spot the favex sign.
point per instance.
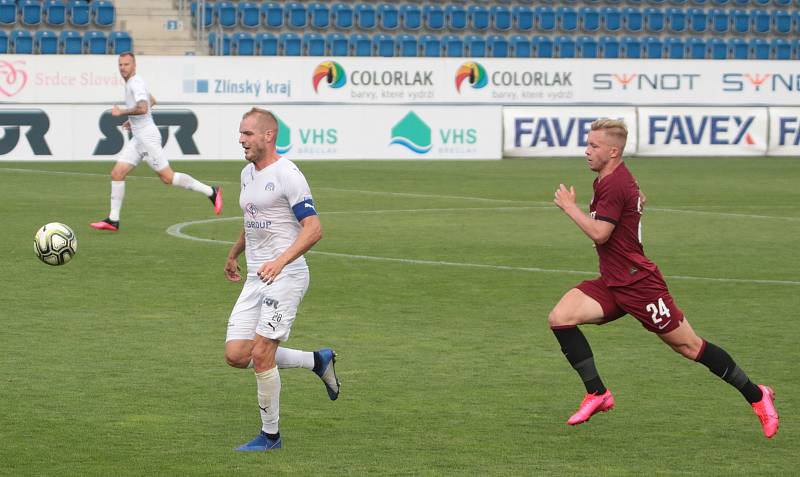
(784, 131)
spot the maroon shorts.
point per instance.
(648, 300)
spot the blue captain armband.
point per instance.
(304, 209)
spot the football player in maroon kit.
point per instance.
(629, 283)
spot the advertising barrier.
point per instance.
(784, 131)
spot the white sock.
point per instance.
(294, 358)
(117, 196)
(186, 181)
(269, 394)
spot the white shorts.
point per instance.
(145, 146)
(268, 310)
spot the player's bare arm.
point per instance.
(309, 235)
(597, 230)
(232, 270)
(140, 108)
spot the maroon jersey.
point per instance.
(616, 200)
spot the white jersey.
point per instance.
(135, 91)
(274, 201)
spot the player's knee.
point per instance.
(166, 179)
(117, 175)
(236, 360)
(558, 317)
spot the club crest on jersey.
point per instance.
(251, 209)
(270, 186)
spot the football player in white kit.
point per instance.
(144, 146)
(280, 225)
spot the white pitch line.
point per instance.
(176, 230)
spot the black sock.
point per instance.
(719, 362)
(579, 354)
(274, 437)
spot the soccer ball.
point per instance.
(55, 243)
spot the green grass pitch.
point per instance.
(433, 283)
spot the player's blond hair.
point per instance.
(265, 119)
(613, 127)
(128, 53)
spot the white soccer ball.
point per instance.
(55, 243)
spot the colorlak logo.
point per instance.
(12, 78)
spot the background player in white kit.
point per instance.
(280, 225)
(144, 146)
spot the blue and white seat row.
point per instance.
(56, 13)
(67, 42)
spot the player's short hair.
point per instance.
(265, 119)
(613, 127)
(128, 53)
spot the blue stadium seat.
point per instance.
(95, 42)
(795, 48)
(219, 44)
(452, 46)
(410, 16)
(46, 42)
(314, 44)
(8, 15)
(497, 46)
(272, 15)
(781, 22)
(738, 49)
(674, 48)
(589, 19)
(522, 17)
(342, 15)
(4, 41)
(30, 12)
(609, 47)
(119, 42)
(587, 47)
(430, 46)
(783, 3)
(266, 44)
(22, 42)
(781, 49)
(796, 21)
(478, 17)
(520, 46)
(676, 20)
(720, 20)
(501, 17)
(761, 2)
(406, 45)
(630, 47)
(653, 47)
(759, 49)
(740, 21)
(759, 21)
(338, 45)
(545, 18)
(565, 46)
(382, 45)
(612, 19)
(720, 2)
(632, 19)
(104, 14)
(388, 16)
(296, 15)
(360, 44)
(567, 19)
(248, 15)
(696, 48)
(70, 42)
(320, 16)
(78, 13)
(225, 12)
(290, 44)
(742, 3)
(243, 44)
(543, 46)
(654, 20)
(698, 20)
(456, 16)
(433, 15)
(717, 49)
(475, 46)
(366, 17)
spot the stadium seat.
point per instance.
(314, 44)
(543, 46)
(761, 2)
(30, 12)
(696, 48)
(4, 42)
(565, 46)
(291, 44)
(795, 48)
(740, 21)
(360, 44)
(272, 15)
(497, 46)
(781, 49)
(410, 16)
(717, 49)
(738, 49)
(243, 44)
(219, 44)
(95, 42)
(46, 42)
(366, 16)
(342, 16)
(654, 20)
(296, 15)
(781, 22)
(406, 45)
(78, 13)
(741, 2)
(698, 20)
(589, 19)
(609, 47)
(720, 20)
(22, 42)
(433, 16)
(676, 20)
(248, 15)
(104, 14)
(520, 47)
(266, 44)
(475, 46)
(119, 42)
(500, 17)
(478, 17)
(611, 18)
(545, 18)
(456, 16)
(225, 12)
(383, 45)
(630, 47)
(632, 19)
(70, 42)
(783, 3)
(8, 15)
(567, 19)
(338, 45)
(759, 49)
(430, 46)
(759, 21)
(587, 47)
(388, 16)
(522, 17)
(320, 16)
(653, 47)
(674, 48)
(452, 46)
